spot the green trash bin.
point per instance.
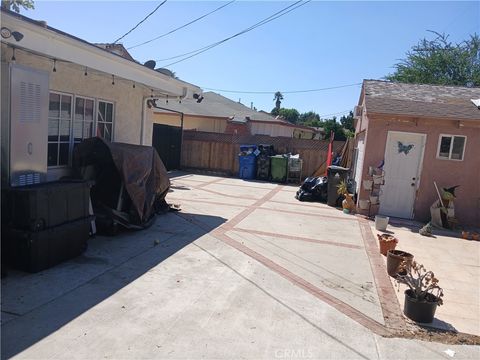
(278, 168)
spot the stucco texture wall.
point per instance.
(445, 173)
(69, 78)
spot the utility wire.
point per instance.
(260, 23)
(283, 92)
(181, 27)
(338, 113)
(237, 34)
(145, 18)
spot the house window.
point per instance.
(105, 120)
(83, 119)
(451, 147)
(59, 123)
(71, 119)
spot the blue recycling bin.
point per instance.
(247, 162)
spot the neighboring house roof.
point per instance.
(452, 102)
(118, 49)
(52, 43)
(216, 105)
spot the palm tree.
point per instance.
(278, 97)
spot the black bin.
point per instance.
(335, 175)
(42, 206)
(35, 251)
(263, 161)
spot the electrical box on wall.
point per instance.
(28, 125)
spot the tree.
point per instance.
(332, 125)
(278, 97)
(441, 62)
(291, 115)
(347, 121)
(16, 4)
(308, 118)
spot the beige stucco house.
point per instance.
(422, 134)
(58, 90)
(216, 113)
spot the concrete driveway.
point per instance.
(243, 271)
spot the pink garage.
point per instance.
(421, 134)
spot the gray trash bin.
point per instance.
(335, 174)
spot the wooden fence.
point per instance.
(219, 152)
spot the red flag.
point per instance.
(330, 151)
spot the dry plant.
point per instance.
(422, 283)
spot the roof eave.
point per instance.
(56, 44)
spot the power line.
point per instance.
(272, 17)
(224, 40)
(181, 27)
(260, 23)
(283, 92)
(338, 113)
(145, 18)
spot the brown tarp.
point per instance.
(116, 166)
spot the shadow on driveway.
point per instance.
(34, 306)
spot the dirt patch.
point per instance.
(414, 331)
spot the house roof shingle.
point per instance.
(453, 102)
(216, 105)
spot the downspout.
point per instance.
(144, 119)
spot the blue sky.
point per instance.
(319, 45)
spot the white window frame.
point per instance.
(96, 102)
(104, 122)
(451, 147)
(83, 121)
(72, 96)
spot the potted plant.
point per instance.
(347, 204)
(387, 242)
(395, 258)
(423, 294)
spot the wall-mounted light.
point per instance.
(166, 101)
(152, 103)
(133, 86)
(113, 79)
(198, 97)
(13, 59)
(85, 73)
(54, 65)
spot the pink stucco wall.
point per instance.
(446, 173)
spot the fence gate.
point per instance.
(167, 141)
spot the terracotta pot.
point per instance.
(420, 311)
(387, 242)
(394, 260)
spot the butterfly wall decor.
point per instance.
(404, 148)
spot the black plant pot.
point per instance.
(420, 311)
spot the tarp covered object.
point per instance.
(116, 166)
